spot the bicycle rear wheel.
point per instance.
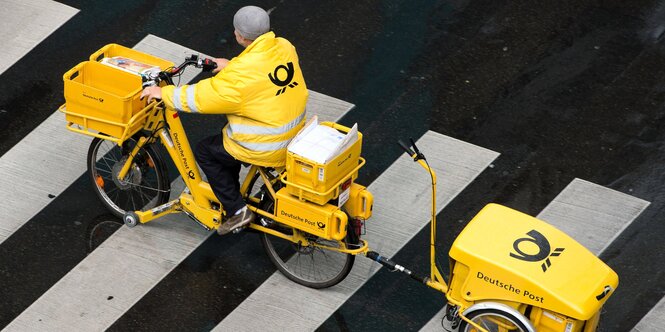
(308, 265)
(146, 185)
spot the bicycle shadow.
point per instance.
(99, 229)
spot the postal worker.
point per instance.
(263, 94)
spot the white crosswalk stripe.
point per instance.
(43, 170)
(36, 18)
(653, 321)
(591, 214)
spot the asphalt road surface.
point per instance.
(561, 90)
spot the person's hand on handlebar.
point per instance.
(221, 63)
(152, 92)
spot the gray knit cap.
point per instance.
(251, 22)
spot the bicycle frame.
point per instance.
(171, 134)
(196, 203)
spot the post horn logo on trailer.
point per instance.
(544, 249)
(282, 84)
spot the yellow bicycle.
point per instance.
(311, 215)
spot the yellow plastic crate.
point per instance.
(101, 98)
(319, 183)
(113, 50)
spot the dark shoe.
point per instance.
(241, 219)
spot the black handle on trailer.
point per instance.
(406, 148)
(416, 155)
(375, 256)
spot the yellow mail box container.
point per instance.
(103, 98)
(325, 221)
(319, 183)
(114, 50)
(99, 97)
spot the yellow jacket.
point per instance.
(263, 93)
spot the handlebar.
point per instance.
(153, 78)
(415, 153)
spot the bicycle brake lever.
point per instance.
(192, 57)
(207, 64)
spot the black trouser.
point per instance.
(223, 172)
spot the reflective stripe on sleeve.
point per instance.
(191, 102)
(260, 130)
(177, 103)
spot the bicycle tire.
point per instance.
(308, 266)
(311, 272)
(491, 320)
(148, 182)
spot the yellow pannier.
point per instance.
(325, 221)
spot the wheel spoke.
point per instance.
(493, 320)
(144, 197)
(311, 266)
(106, 163)
(104, 170)
(131, 197)
(112, 190)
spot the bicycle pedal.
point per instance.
(265, 222)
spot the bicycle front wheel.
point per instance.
(309, 266)
(493, 320)
(145, 186)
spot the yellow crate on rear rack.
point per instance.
(319, 183)
(100, 98)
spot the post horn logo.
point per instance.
(282, 84)
(544, 250)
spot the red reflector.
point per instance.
(175, 115)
